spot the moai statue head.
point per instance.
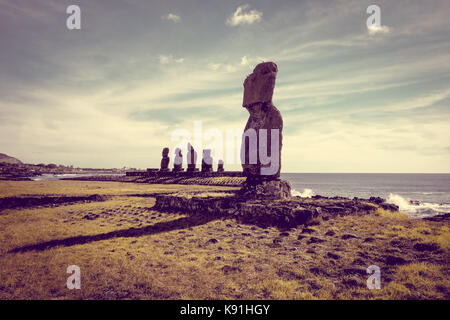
(259, 85)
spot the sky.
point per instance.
(141, 75)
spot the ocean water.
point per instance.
(419, 195)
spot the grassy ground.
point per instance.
(126, 250)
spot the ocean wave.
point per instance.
(418, 209)
(307, 193)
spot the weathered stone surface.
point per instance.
(178, 161)
(262, 138)
(165, 160)
(220, 166)
(207, 161)
(258, 86)
(191, 159)
(283, 213)
(265, 189)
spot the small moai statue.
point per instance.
(178, 161)
(207, 161)
(220, 166)
(165, 160)
(191, 159)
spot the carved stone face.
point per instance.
(165, 152)
(258, 86)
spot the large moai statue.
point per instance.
(207, 161)
(165, 160)
(191, 159)
(178, 161)
(220, 166)
(262, 138)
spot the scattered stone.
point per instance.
(333, 256)
(394, 260)
(330, 233)
(277, 241)
(349, 236)
(300, 237)
(359, 262)
(284, 234)
(315, 240)
(358, 271)
(352, 282)
(318, 271)
(314, 285)
(369, 239)
(229, 269)
(308, 230)
(212, 240)
(426, 246)
(311, 251)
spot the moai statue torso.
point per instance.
(262, 139)
(178, 161)
(191, 159)
(220, 166)
(165, 160)
(207, 161)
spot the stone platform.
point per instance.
(288, 212)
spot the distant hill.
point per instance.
(7, 159)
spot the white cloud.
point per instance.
(163, 59)
(241, 17)
(382, 30)
(244, 61)
(169, 59)
(172, 17)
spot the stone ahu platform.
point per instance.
(283, 213)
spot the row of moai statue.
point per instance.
(207, 161)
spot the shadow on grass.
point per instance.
(182, 223)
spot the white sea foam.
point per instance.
(307, 193)
(418, 210)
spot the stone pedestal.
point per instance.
(265, 189)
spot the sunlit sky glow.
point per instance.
(111, 94)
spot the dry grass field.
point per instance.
(127, 250)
